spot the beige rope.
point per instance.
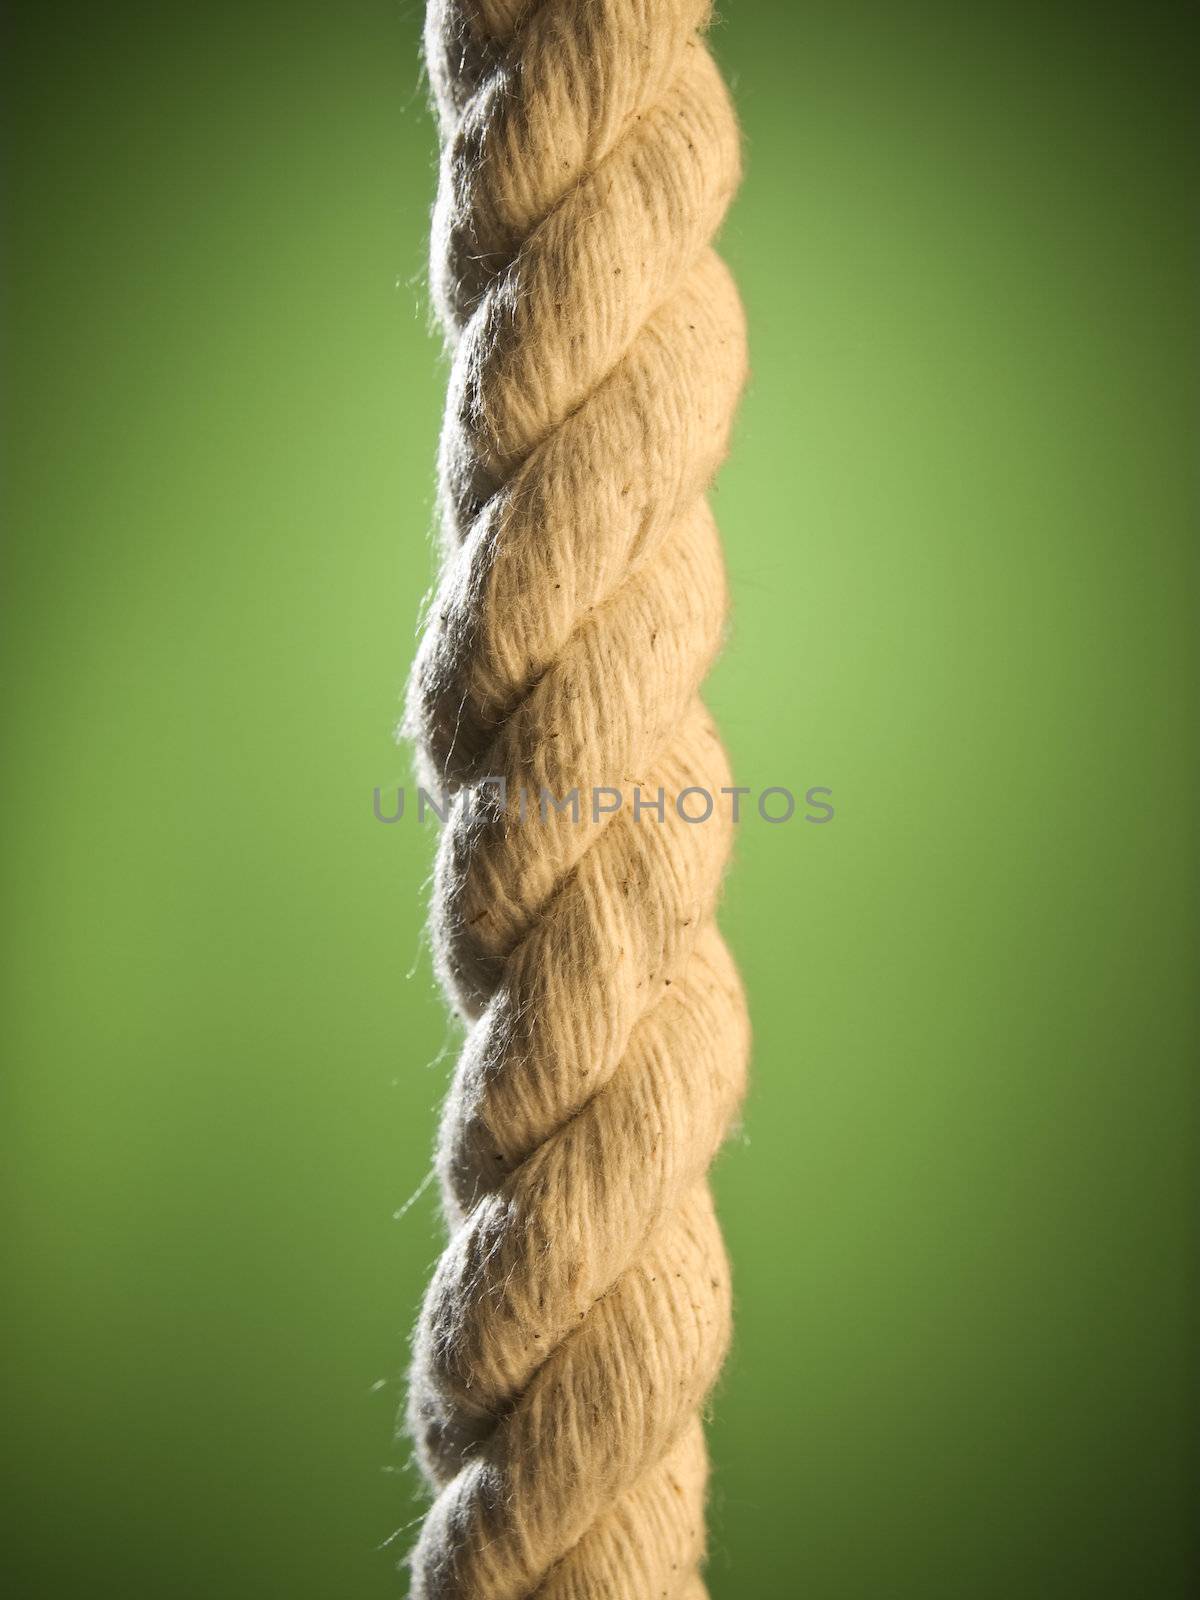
(580, 1312)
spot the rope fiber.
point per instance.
(580, 1312)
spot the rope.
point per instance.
(580, 1312)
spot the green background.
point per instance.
(960, 520)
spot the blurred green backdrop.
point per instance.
(960, 520)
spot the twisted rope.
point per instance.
(580, 1312)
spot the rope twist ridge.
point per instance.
(580, 1312)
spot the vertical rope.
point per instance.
(580, 1312)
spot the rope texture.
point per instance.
(581, 1310)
